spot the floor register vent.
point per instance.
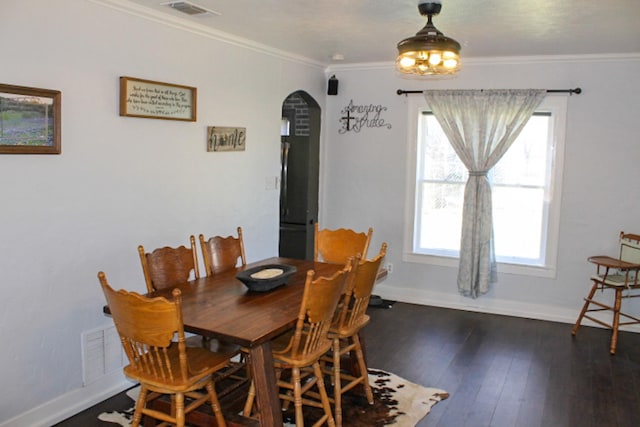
(102, 353)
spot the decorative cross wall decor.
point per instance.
(364, 116)
(347, 119)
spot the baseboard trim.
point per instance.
(486, 305)
(71, 403)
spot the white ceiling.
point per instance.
(369, 30)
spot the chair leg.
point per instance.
(248, 405)
(587, 301)
(179, 409)
(173, 406)
(140, 404)
(323, 395)
(616, 321)
(215, 405)
(337, 382)
(297, 396)
(363, 369)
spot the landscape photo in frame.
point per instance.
(29, 120)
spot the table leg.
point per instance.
(264, 377)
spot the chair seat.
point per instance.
(235, 374)
(284, 360)
(202, 363)
(347, 331)
(616, 280)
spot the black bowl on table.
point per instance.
(263, 278)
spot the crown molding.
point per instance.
(134, 9)
(540, 59)
(502, 60)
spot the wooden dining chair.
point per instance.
(338, 246)
(152, 334)
(349, 320)
(167, 266)
(621, 275)
(222, 253)
(299, 352)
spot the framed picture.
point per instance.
(157, 100)
(29, 120)
(220, 138)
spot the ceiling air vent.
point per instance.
(189, 8)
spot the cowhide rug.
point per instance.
(397, 401)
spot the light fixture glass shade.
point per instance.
(429, 52)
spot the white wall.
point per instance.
(120, 181)
(365, 179)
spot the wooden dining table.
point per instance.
(220, 306)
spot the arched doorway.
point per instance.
(300, 153)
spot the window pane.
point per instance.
(518, 215)
(441, 216)
(525, 162)
(439, 160)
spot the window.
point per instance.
(525, 192)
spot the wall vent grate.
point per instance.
(189, 8)
(102, 353)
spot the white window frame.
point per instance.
(554, 104)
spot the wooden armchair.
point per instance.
(167, 266)
(147, 328)
(222, 253)
(617, 274)
(300, 352)
(338, 246)
(350, 318)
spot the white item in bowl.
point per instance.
(267, 273)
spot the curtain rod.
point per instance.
(577, 91)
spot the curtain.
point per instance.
(481, 126)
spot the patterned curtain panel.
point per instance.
(481, 126)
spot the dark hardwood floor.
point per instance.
(499, 370)
(506, 371)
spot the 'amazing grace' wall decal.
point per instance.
(358, 116)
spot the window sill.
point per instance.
(503, 268)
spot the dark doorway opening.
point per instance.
(300, 153)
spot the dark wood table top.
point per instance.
(222, 307)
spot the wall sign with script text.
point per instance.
(355, 117)
(157, 100)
